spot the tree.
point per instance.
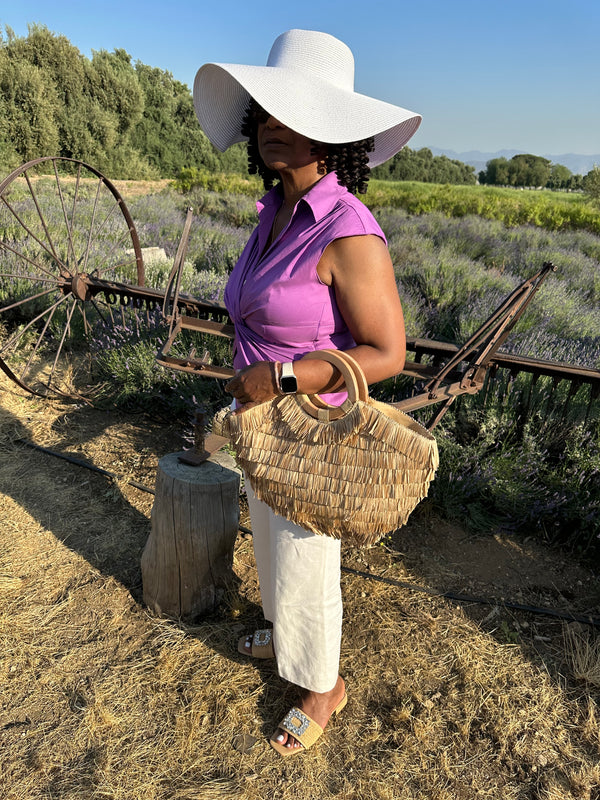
(521, 170)
(114, 101)
(168, 131)
(28, 109)
(496, 172)
(560, 177)
(422, 165)
(591, 183)
(528, 170)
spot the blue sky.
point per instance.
(485, 74)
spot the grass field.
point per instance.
(447, 700)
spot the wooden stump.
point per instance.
(187, 561)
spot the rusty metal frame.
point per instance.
(455, 371)
(465, 370)
(178, 322)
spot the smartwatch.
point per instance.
(287, 380)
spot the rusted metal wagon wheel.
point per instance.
(66, 236)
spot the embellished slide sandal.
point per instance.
(304, 729)
(262, 644)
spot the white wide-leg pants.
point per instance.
(299, 578)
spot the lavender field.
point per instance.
(535, 473)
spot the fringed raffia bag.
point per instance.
(354, 472)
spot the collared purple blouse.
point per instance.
(280, 308)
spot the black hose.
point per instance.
(78, 462)
(459, 598)
(463, 598)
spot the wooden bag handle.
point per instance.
(354, 378)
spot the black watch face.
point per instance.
(288, 384)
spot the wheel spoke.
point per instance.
(72, 221)
(22, 255)
(70, 251)
(38, 343)
(84, 366)
(106, 219)
(30, 232)
(41, 216)
(62, 341)
(28, 299)
(71, 226)
(91, 229)
(31, 322)
(115, 267)
(32, 278)
(116, 245)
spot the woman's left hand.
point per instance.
(253, 384)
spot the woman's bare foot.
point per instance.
(318, 706)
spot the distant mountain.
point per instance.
(578, 164)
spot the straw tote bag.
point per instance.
(354, 472)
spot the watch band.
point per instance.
(287, 380)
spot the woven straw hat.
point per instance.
(308, 85)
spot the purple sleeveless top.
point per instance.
(280, 308)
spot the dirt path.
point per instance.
(448, 699)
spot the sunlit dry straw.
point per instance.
(582, 649)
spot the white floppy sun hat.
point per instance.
(308, 85)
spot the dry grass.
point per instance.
(125, 188)
(136, 188)
(583, 653)
(101, 700)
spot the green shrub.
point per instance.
(192, 177)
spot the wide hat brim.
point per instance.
(307, 104)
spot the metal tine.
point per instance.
(177, 269)
(527, 288)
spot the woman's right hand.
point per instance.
(254, 384)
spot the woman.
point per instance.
(315, 274)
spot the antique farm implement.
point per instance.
(72, 270)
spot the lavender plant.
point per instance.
(461, 269)
(538, 476)
(126, 369)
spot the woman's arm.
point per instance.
(361, 272)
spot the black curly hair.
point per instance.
(350, 161)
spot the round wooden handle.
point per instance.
(354, 378)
